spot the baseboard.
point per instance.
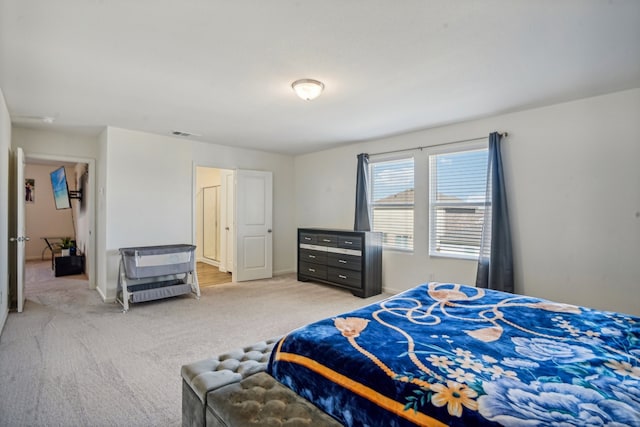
(208, 261)
(392, 291)
(104, 297)
(3, 320)
(283, 272)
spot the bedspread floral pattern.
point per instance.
(509, 390)
(473, 356)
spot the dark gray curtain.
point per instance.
(495, 264)
(362, 222)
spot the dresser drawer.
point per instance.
(313, 270)
(308, 238)
(327, 240)
(344, 277)
(313, 256)
(352, 262)
(348, 242)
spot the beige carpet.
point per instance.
(71, 360)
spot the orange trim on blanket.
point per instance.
(361, 390)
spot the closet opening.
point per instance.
(214, 225)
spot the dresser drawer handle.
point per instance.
(312, 256)
(307, 238)
(326, 240)
(342, 261)
(313, 270)
(348, 242)
(342, 276)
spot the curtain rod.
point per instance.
(503, 134)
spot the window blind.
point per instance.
(392, 201)
(457, 201)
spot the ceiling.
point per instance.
(223, 69)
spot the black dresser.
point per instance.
(350, 259)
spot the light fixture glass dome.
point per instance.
(307, 89)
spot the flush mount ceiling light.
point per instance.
(307, 89)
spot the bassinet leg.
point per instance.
(122, 285)
(194, 283)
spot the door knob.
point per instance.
(269, 231)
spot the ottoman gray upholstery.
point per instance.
(260, 400)
(232, 390)
(201, 377)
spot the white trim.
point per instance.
(104, 297)
(392, 291)
(208, 261)
(3, 319)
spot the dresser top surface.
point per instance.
(332, 230)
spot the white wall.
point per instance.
(5, 145)
(40, 141)
(42, 219)
(148, 189)
(146, 194)
(573, 180)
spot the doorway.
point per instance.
(245, 220)
(214, 225)
(48, 224)
(41, 219)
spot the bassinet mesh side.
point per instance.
(153, 261)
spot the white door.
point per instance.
(254, 204)
(20, 239)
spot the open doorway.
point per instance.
(214, 225)
(74, 221)
(58, 227)
(245, 221)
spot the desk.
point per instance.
(53, 243)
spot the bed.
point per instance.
(449, 354)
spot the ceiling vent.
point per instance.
(182, 133)
(43, 119)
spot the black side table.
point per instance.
(68, 265)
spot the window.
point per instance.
(392, 202)
(457, 197)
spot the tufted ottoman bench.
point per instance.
(260, 400)
(232, 390)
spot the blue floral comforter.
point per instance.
(449, 354)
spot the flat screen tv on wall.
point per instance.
(60, 188)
